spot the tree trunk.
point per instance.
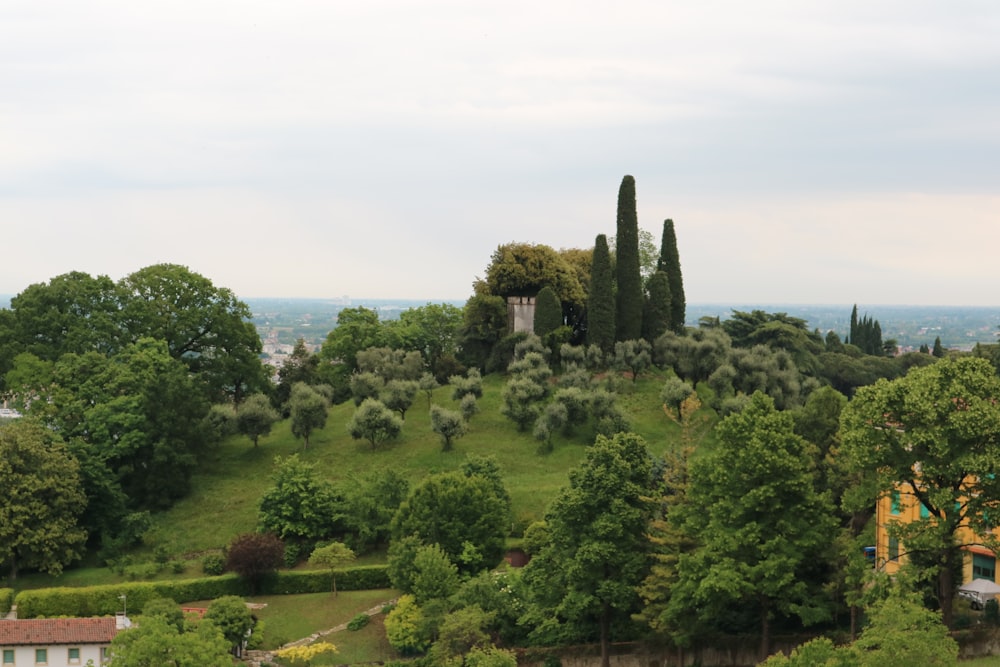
(13, 567)
(765, 631)
(605, 632)
(946, 589)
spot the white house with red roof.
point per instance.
(57, 642)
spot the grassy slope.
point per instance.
(233, 477)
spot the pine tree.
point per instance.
(670, 262)
(656, 315)
(938, 350)
(548, 312)
(601, 304)
(628, 319)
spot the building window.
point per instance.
(893, 548)
(41, 656)
(984, 567)
(897, 502)
(74, 656)
(104, 654)
(924, 512)
(8, 656)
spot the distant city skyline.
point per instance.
(808, 153)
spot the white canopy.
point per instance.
(982, 586)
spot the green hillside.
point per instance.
(229, 484)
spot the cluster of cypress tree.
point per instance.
(866, 333)
(630, 313)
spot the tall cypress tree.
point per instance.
(628, 316)
(656, 316)
(601, 303)
(548, 312)
(670, 263)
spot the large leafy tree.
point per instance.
(41, 501)
(754, 508)
(586, 575)
(232, 617)
(206, 327)
(149, 423)
(934, 434)
(628, 313)
(72, 313)
(156, 641)
(523, 269)
(463, 514)
(670, 263)
(601, 305)
(432, 329)
(298, 507)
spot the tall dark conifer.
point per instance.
(670, 263)
(601, 303)
(548, 312)
(628, 319)
(656, 316)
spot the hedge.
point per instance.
(361, 578)
(107, 600)
(6, 599)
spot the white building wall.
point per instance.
(58, 655)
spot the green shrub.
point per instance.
(358, 622)
(176, 566)
(213, 565)
(6, 599)
(142, 571)
(366, 577)
(107, 600)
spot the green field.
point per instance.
(230, 482)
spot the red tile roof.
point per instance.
(42, 631)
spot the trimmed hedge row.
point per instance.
(107, 600)
(361, 578)
(6, 599)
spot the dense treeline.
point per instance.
(126, 384)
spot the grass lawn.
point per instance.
(234, 475)
(291, 617)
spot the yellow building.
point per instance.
(902, 506)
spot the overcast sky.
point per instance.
(808, 152)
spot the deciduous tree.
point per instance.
(754, 509)
(596, 555)
(932, 434)
(255, 555)
(448, 424)
(41, 502)
(298, 507)
(461, 513)
(308, 411)
(255, 417)
(232, 617)
(374, 422)
(332, 556)
(157, 642)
